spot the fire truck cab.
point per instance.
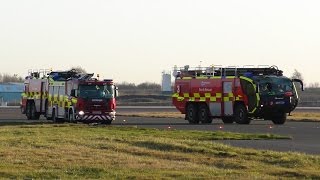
(234, 94)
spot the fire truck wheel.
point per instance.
(28, 112)
(46, 111)
(192, 112)
(240, 114)
(227, 120)
(203, 114)
(37, 117)
(54, 117)
(33, 111)
(279, 118)
(71, 117)
(106, 122)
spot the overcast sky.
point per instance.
(135, 40)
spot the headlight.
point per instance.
(112, 114)
(81, 113)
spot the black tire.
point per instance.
(37, 117)
(191, 114)
(71, 116)
(280, 118)
(241, 114)
(46, 111)
(28, 111)
(204, 114)
(227, 120)
(49, 118)
(106, 122)
(54, 116)
(33, 111)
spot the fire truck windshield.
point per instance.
(273, 85)
(96, 91)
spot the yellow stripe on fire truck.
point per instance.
(207, 97)
(55, 99)
(57, 83)
(24, 95)
(228, 97)
(34, 95)
(61, 101)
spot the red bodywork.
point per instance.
(209, 91)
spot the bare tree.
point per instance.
(143, 88)
(126, 85)
(297, 75)
(79, 69)
(10, 78)
(149, 86)
(314, 85)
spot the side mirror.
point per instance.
(116, 92)
(74, 92)
(299, 81)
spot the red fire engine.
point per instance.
(68, 95)
(234, 94)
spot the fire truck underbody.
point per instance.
(234, 94)
(69, 96)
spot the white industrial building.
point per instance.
(166, 82)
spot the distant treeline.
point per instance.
(310, 97)
(143, 88)
(5, 78)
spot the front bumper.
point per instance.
(111, 116)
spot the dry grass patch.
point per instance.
(305, 116)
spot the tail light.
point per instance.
(288, 94)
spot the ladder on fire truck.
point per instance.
(68, 75)
(219, 71)
(38, 73)
(57, 75)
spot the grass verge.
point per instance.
(105, 152)
(305, 116)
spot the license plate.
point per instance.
(96, 112)
(280, 102)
